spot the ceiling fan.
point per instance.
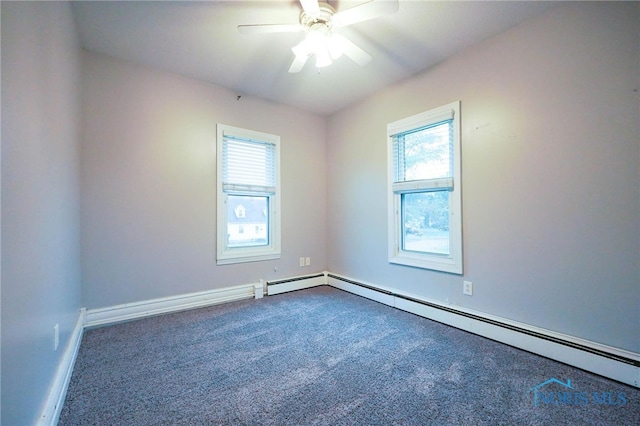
(319, 19)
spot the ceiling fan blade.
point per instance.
(311, 7)
(364, 12)
(350, 49)
(269, 28)
(298, 63)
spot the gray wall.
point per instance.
(550, 165)
(40, 207)
(149, 184)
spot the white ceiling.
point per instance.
(200, 40)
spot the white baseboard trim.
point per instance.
(614, 363)
(58, 390)
(296, 283)
(136, 310)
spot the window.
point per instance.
(248, 195)
(425, 217)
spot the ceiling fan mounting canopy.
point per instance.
(322, 16)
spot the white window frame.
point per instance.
(229, 255)
(451, 263)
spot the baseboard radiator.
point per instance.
(608, 361)
(296, 283)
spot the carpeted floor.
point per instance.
(326, 357)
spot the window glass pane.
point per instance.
(425, 222)
(426, 153)
(247, 221)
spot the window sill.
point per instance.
(435, 263)
(231, 259)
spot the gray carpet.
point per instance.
(326, 357)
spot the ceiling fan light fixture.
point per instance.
(317, 38)
(336, 46)
(317, 43)
(323, 57)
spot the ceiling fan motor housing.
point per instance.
(314, 22)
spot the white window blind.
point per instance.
(423, 158)
(248, 165)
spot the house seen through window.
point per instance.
(247, 226)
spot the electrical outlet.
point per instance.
(467, 288)
(307, 261)
(56, 336)
(302, 261)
